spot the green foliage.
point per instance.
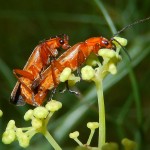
(25, 23)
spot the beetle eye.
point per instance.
(61, 41)
(105, 42)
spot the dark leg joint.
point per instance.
(71, 91)
(52, 93)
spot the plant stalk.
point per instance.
(101, 109)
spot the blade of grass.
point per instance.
(106, 16)
(6, 73)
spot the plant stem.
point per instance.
(52, 141)
(101, 109)
(90, 137)
(77, 140)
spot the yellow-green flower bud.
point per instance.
(92, 60)
(74, 135)
(8, 136)
(120, 40)
(128, 144)
(10, 125)
(1, 113)
(24, 140)
(53, 105)
(110, 146)
(65, 74)
(87, 73)
(36, 123)
(40, 112)
(112, 68)
(73, 79)
(106, 53)
(28, 115)
(18, 132)
(92, 125)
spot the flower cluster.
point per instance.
(92, 126)
(39, 117)
(108, 65)
(96, 71)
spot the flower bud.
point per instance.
(53, 105)
(24, 140)
(110, 146)
(10, 125)
(128, 144)
(65, 74)
(92, 60)
(19, 132)
(74, 135)
(92, 125)
(112, 68)
(40, 112)
(36, 123)
(1, 113)
(122, 41)
(87, 73)
(73, 79)
(106, 53)
(8, 136)
(28, 115)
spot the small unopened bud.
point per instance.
(92, 125)
(53, 105)
(8, 136)
(110, 146)
(23, 140)
(28, 115)
(74, 135)
(65, 74)
(19, 132)
(73, 79)
(87, 73)
(107, 53)
(1, 113)
(40, 112)
(92, 60)
(10, 125)
(128, 144)
(112, 68)
(36, 123)
(121, 41)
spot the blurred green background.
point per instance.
(127, 98)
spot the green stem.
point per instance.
(90, 137)
(101, 108)
(78, 141)
(48, 118)
(52, 141)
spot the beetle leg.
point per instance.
(34, 103)
(68, 89)
(71, 91)
(52, 94)
(23, 73)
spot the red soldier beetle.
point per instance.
(39, 61)
(34, 92)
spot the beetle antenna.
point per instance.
(122, 48)
(131, 25)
